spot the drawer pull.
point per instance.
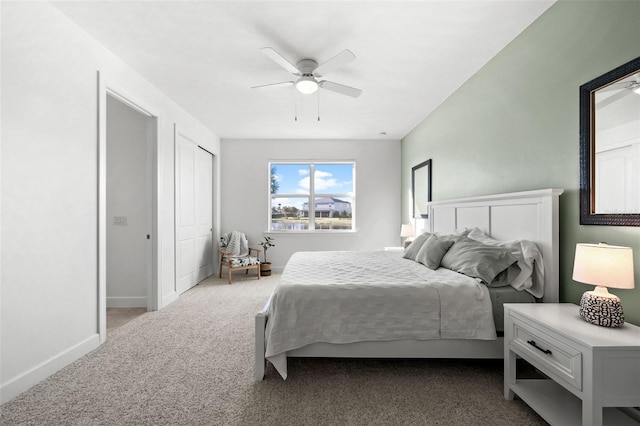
(533, 343)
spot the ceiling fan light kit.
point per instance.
(306, 85)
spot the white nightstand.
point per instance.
(589, 367)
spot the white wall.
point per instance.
(49, 288)
(128, 131)
(245, 192)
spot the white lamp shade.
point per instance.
(406, 230)
(604, 265)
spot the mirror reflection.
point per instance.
(421, 189)
(616, 166)
(610, 147)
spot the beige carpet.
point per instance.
(192, 364)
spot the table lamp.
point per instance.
(603, 266)
(406, 231)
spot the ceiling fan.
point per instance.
(631, 81)
(308, 72)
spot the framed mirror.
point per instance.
(421, 189)
(610, 148)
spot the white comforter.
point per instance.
(346, 297)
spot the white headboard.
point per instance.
(527, 215)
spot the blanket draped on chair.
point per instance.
(236, 243)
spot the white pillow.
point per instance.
(531, 275)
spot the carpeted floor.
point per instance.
(192, 364)
(117, 317)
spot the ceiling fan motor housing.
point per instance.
(306, 66)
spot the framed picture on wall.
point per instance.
(421, 189)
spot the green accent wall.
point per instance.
(513, 126)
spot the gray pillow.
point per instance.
(477, 260)
(432, 251)
(412, 250)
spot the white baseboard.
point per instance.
(30, 378)
(169, 299)
(127, 302)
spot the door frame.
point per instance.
(109, 88)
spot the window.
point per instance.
(299, 203)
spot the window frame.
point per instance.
(311, 197)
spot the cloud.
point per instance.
(294, 202)
(324, 182)
(303, 185)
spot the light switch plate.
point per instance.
(120, 220)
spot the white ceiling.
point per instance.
(410, 56)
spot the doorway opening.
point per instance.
(127, 209)
(117, 317)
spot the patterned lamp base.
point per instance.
(604, 311)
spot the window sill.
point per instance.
(312, 232)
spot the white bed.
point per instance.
(530, 215)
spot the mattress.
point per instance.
(345, 297)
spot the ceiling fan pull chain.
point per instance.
(318, 105)
(295, 105)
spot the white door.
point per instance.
(204, 214)
(617, 174)
(194, 214)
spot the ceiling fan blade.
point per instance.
(340, 88)
(617, 86)
(283, 83)
(338, 61)
(628, 82)
(278, 59)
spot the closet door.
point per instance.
(194, 214)
(204, 214)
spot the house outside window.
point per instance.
(298, 203)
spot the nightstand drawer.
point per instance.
(551, 356)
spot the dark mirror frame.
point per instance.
(414, 169)
(587, 151)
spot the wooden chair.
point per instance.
(236, 254)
